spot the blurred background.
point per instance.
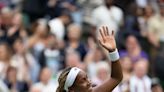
(39, 38)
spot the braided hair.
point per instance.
(62, 79)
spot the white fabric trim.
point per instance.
(114, 56)
(71, 77)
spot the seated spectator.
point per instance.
(6, 18)
(51, 55)
(148, 12)
(74, 41)
(93, 57)
(5, 58)
(74, 8)
(156, 29)
(17, 29)
(72, 59)
(102, 73)
(24, 61)
(36, 43)
(133, 49)
(140, 82)
(12, 83)
(45, 84)
(127, 73)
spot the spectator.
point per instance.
(155, 28)
(58, 24)
(6, 18)
(24, 61)
(72, 59)
(17, 28)
(51, 55)
(12, 83)
(140, 82)
(74, 41)
(108, 14)
(127, 73)
(45, 84)
(143, 20)
(75, 10)
(5, 59)
(133, 49)
(37, 41)
(102, 73)
(93, 57)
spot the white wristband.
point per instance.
(114, 56)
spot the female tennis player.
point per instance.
(76, 80)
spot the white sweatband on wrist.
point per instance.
(71, 77)
(114, 56)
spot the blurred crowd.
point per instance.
(39, 38)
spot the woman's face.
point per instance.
(4, 54)
(131, 43)
(17, 19)
(82, 83)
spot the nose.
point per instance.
(89, 82)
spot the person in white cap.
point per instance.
(75, 80)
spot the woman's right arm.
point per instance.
(108, 42)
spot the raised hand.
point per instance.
(106, 39)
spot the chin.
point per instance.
(90, 89)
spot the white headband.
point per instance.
(71, 77)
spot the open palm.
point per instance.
(107, 40)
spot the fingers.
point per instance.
(112, 33)
(107, 30)
(102, 35)
(104, 30)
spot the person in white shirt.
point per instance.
(45, 84)
(57, 25)
(140, 82)
(107, 14)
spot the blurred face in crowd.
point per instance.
(17, 19)
(41, 30)
(72, 59)
(126, 63)
(66, 19)
(12, 75)
(6, 16)
(45, 75)
(74, 32)
(108, 3)
(131, 43)
(4, 52)
(141, 68)
(52, 41)
(19, 46)
(148, 11)
(103, 71)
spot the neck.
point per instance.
(45, 82)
